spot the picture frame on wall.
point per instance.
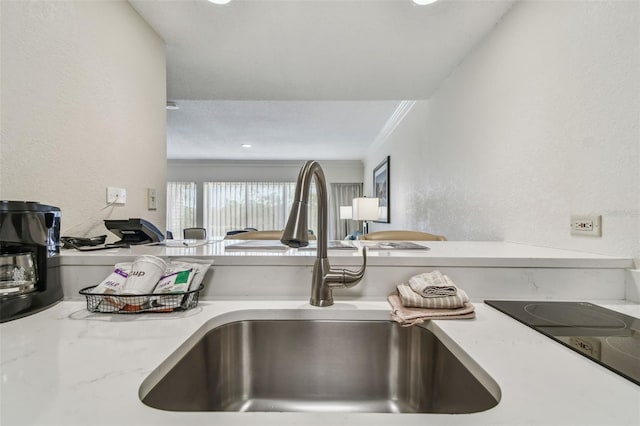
(381, 182)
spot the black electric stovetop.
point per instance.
(607, 337)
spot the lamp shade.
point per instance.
(346, 212)
(365, 208)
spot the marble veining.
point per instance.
(95, 380)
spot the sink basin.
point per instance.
(319, 365)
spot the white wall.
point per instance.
(542, 120)
(83, 92)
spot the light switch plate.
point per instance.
(152, 199)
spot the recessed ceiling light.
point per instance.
(420, 2)
(220, 1)
(246, 145)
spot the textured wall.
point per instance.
(539, 122)
(83, 94)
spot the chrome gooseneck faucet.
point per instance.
(296, 234)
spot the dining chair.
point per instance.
(194, 234)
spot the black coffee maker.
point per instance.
(29, 265)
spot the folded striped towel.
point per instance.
(433, 284)
(412, 299)
(411, 316)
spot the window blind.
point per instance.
(261, 205)
(181, 206)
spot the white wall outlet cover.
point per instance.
(116, 195)
(586, 225)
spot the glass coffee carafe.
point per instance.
(18, 274)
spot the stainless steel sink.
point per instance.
(319, 366)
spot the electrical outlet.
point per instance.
(116, 195)
(152, 199)
(586, 225)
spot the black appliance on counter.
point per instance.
(134, 231)
(29, 265)
(610, 338)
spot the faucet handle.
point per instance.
(346, 278)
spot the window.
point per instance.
(260, 205)
(181, 207)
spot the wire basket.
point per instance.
(140, 303)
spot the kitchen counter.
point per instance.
(66, 366)
(439, 253)
(486, 269)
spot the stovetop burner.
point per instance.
(610, 338)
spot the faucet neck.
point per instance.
(296, 232)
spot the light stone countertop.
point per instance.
(485, 269)
(66, 366)
(440, 253)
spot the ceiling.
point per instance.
(323, 61)
(276, 130)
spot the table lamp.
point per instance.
(365, 209)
